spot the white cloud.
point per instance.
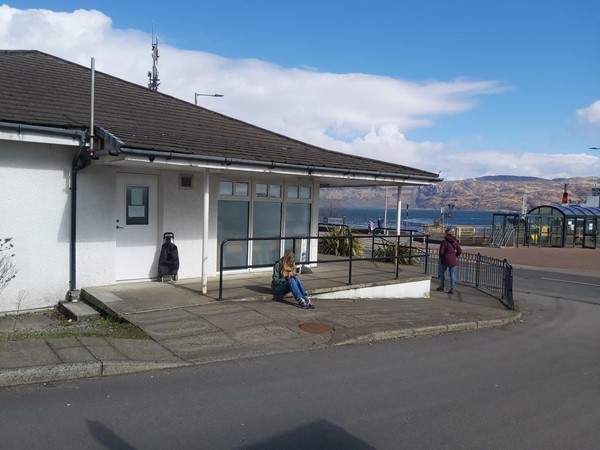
(591, 114)
(476, 164)
(359, 114)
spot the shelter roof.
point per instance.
(571, 210)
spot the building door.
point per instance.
(136, 226)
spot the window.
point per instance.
(232, 222)
(262, 190)
(266, 223)
(292, 192)
(225, 188)
(301, 192)
(137, 205)
(268, 190)
(305, 192)
(234, 188)
(275, 190)
(241, 189)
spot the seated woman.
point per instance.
(285, 279)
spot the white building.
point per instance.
(89, 217)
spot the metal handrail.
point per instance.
(350, 259)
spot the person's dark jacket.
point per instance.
(277, 278)
(450, 251)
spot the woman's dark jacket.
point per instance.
(277, 278)
(449, 251)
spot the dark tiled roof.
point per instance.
(40, 89)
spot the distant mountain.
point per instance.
(490, 193)
(508, 178)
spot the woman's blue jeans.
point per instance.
(451, 273)
(292, 284)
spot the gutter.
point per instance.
(114, 147)
(20, 128)
(272, 165)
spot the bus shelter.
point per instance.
(563, 226)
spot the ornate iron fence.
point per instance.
(488, 274)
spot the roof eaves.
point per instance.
(273, 166)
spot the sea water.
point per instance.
(358, 217)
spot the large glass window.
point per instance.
(297, 223)
(266, 223)
(265, 204)
(232, 222)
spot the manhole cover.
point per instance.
(316, 328)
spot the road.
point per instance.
(560, 284)
(530, 385)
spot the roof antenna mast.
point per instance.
(153, 80)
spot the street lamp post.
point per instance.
(196, 95)
(447, 215)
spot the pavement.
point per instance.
(201, 332)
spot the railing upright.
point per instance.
(221, 270)
(477, 269)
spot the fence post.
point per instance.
(397, 252)
(507, 282)
(350, 260)
(427, 256)
(221, 270)
(477, 269)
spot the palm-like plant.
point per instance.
(387, 251)
(339, 244)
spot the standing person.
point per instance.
(285, 279)
(449, 252)
(370, 226)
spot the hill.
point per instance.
(490, 193)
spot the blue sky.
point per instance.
(464, 88)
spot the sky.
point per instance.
(463, 88)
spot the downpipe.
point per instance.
(80, 161)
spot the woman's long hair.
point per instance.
(287, 263)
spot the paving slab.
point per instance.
(15, 352)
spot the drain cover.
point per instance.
(316, 328)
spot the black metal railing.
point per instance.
(485, 273)
(399, 249)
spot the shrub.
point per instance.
(7, 268)
(387, 251)
(341, 247)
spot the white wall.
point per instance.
(96, 246)
(35, 212)
(181, 214)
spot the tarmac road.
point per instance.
(527, 385)
(570, 285)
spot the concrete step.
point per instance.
(77, 310)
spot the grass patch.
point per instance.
(53, 325)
